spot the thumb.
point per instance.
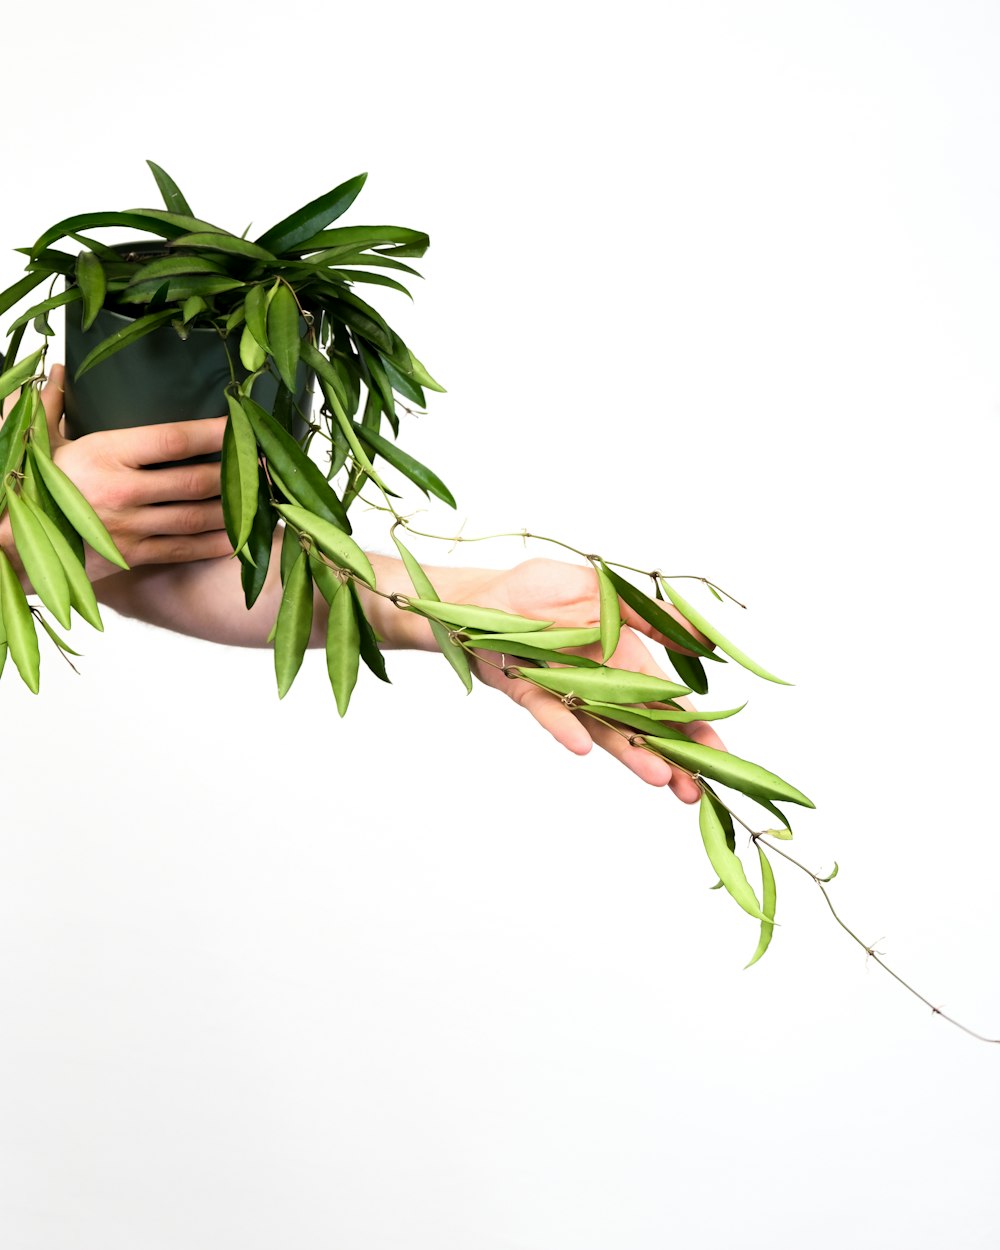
(52, 401)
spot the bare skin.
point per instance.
(168, 525)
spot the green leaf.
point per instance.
(63, 646)
(228, 243)
(15, 377)
(283, 333)
(611, 621)
(425, 478)
(698, 621)
(333, 542)
(689, 669)
(41, 564)
(769, 899)
(256, 312)
(360, 238)
(177, 290)
(681, 717)
(420, 375)
(24, 286)
(295, 230)
(19, 625)
(783, 834)
(607, 685)
(239, 476)
(725, 862)
(830, 876)
(475, 617)
(46, 305)
(405, 386)
(92, 282)
(171, 266)
(149, 221)
(252, 355)
(294, 624)
(78, 511)
(122, 338)
(740, 774)
(81, 592)
(343, 647)
(455, 654)
(172, 197)
(634, 718)
(520, 646)
(257, 555)
(303, 479)
(370, 652)
(651, 612)
(554, 639)
(179, 223)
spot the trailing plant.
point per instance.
(287, 301)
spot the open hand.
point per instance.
(568, 595)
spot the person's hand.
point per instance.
(155, 516)
(568, 595)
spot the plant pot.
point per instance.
(160, 378)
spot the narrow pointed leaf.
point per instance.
(689, 669)
(658, 617)
(294, 624)
(122, 338)
(252, 355)
(257, 554)
(16, 376)
(92, 282)
(425, 478)
(420, 375)
(333, 542)
(150, 221)
(178, 289)
(633, 717)
(358, 237)
(740, 774)
(171, 192)
(343, 647)
(611, 620)
(554, 639)
(606, 685)
(520, 647)
(296, 229)
(24, 286)
(46, 305)
(256, 312)
(681, 717)
(19, 625)
(768, 902)
(41, 564)
(59, 642)
(455, 654)
(303, 479)
(476, 617)
(725, 862)
(283, 333)
(708, 629)
(830, 876)
(81, 592)
(78, 511)
(371, 653)
(227, 243)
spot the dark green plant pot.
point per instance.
(160, 378)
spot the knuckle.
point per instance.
(171, 442)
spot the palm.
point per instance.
(567, 595)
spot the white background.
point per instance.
(714, 287)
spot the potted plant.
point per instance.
(201, 320)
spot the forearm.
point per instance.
(204, 599)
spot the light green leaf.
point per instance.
(769, 899)
(343, 647)
(41, 564)
(78, 511)
(700, 623)
(740, 774)
(606, 685)
(283, 334)
(19, 625)
(16, 376)
(340, 547)
(725, 862)
(456, 655)
(294, 624)
(81, 592)
(476, 617)
(830, 876)
(611, 620)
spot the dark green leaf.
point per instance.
(305, 481)
(370, 651)
(171, 266)
(690, 670)
(360, 238)
(92, 282)
(283, 334)
(403, 385)
(333, 542)
(176, 290)
(258, 548)
(53, 301)
(294, 624)
(150, 222)
(256, 312)
(651, 612)
(122, 338)
(293, 232)
(425, 478)
(227, 243)
(24, 286)
(172, 197)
